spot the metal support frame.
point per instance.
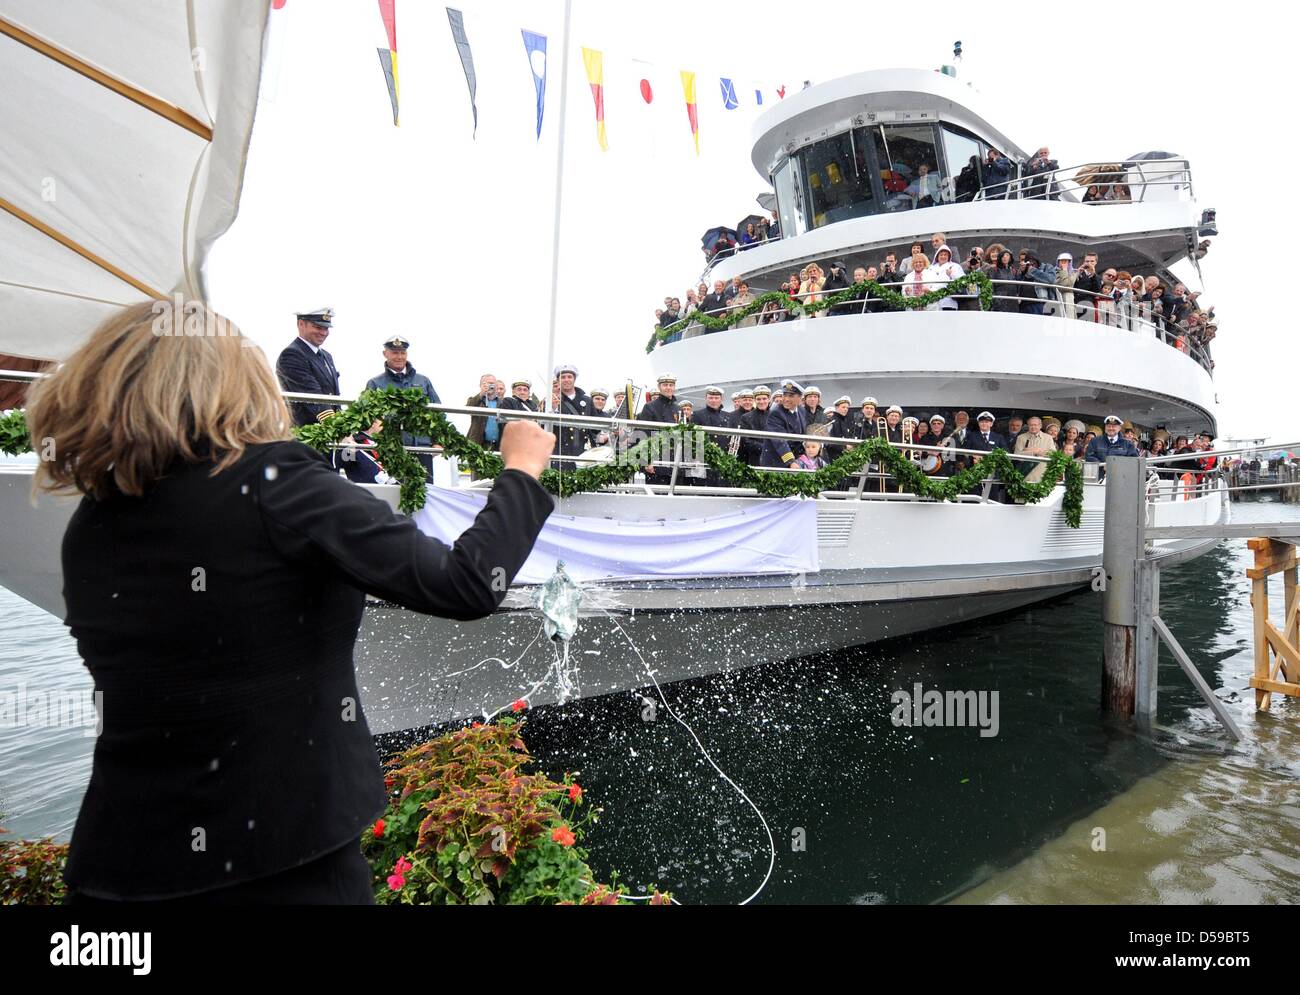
(1195, 677)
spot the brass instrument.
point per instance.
(908, 454)
(882, 432)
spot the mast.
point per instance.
(559, 194)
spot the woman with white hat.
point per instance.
(943, 272)
(1066, 275)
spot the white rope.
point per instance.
(771, 864)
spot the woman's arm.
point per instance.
(313, 514)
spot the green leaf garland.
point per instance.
(891, 297)
(406, 411)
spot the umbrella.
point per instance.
(1142, 156)
(709, 240)
(767, 201)
(148, 155)
(754, 219)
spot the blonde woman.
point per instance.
(215, 573)
(915, 284)
(812, 285)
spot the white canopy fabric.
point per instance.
(126, 126)
(765, 537)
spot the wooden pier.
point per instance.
(1277, 651)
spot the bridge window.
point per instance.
(909, 167)
(965, 161)
(839, 180)
(788, 181)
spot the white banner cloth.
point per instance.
(774, 536)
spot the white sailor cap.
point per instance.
(746, 392)
(521, 383)
(565, 368)
(666, 378)
(843, 399)
(870, 400)
(713, 390)
(791, 387)
(686, 402)
(892, 408)
(598, 392)
(913, 419)
(936, 417)
(1113, 418)
(762, 389)
(735, 395)
(985, 414)
(813, 390)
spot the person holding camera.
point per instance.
(1088, 280)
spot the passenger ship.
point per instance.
(886, 564)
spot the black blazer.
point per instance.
(217, 616)
(975, 440)
(305, 372)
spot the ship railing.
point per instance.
(1126, 181)
(1089, 307)
(622, 430)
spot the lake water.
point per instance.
(1060, 806)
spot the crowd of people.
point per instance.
(791, 409)
(1023, 283)
(306, 367)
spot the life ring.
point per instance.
(1188, 481)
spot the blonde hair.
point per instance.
(160, 381)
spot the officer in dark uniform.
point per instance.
(401, 374)
(304, 367)
(789, 416)
(573, 440)
(712, 415)
(1112, 443)
(662, 408)
(986, 440)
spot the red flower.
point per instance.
(476, 725)
(389, 780)
(575, 793)
(563, 836)
(378, 828)
(401, 867)
(396, 882)
(519, 705)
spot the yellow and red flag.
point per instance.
(688, 88)
(388, 57)
(595, 63)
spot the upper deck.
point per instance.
(852, 160)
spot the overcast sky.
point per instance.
(427, 230)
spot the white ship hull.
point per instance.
(889, 568)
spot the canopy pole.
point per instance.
(559, 196)
(132, 93)
(79, 249)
